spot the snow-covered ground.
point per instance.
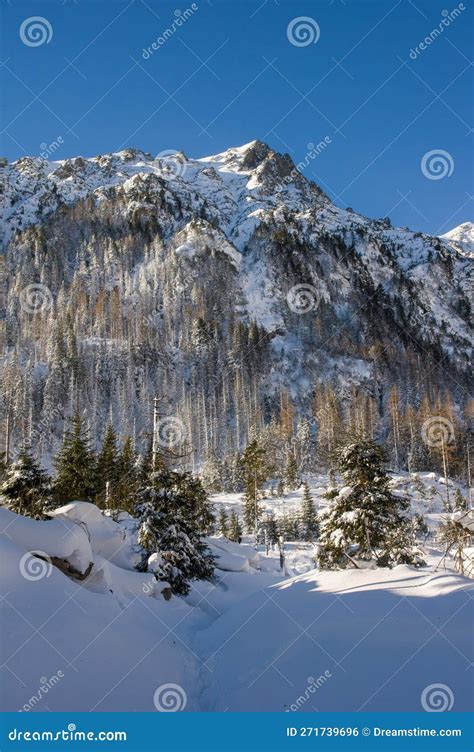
(255, 639)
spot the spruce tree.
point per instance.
(223, 523)
(255, 474)
(291, 472)
(460, 502)
(366, 521)
(235, 528)
(271, 529)
(75, 465)
(128, 483)
(26, 486)
(308, 516)
(174, 514)
(107, 469)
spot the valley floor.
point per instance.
(256, 639)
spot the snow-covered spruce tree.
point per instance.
(26, 486)
(366, 522)
(174, 513)
(291, 472)
(255, 474)
(211, 475)
(309, 518)
(75, 464)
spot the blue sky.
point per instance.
(229, 74)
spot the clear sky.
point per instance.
(228, 73)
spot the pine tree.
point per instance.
(366, 521)
(75, 464)
(26, 486)
(309, 518)
(174, 514)
(107, 469)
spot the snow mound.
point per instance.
(233, 557)
(104, 653)
(61, 539)
(108, 538)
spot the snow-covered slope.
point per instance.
(344, 641)
(252, 640)
(462, 238)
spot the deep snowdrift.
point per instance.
(254, 639)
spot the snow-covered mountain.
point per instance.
(220, 282)
(462, 237)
